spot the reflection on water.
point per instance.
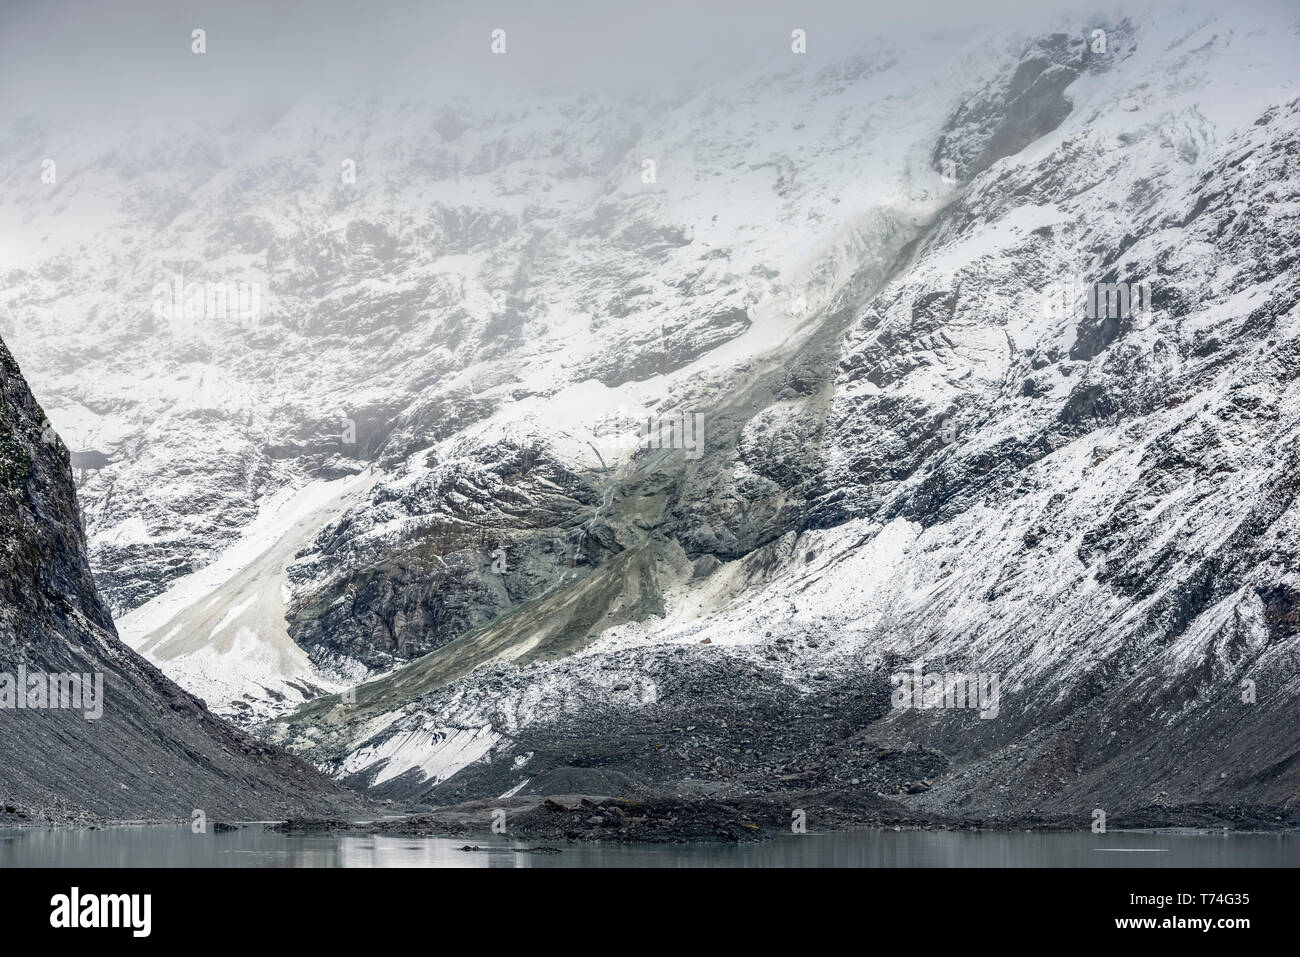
(254, 846)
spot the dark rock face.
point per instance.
(155, 752)
(487, 533)
(1026, 102)
(713, 730)
(643, 355)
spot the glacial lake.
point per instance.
(254, 846)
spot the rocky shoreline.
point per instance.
(677, 820)
(683, 820)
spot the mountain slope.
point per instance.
(1095, 508)
(153, 751)
(924, 445)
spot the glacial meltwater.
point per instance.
(254, 845)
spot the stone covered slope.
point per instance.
(156, 752)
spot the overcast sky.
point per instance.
(89, 56)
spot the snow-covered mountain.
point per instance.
(395, 438)
(501, 280)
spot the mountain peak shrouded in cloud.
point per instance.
(136, 57)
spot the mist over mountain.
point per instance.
(640, 404)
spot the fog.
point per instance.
(86, 60)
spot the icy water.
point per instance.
(253, 846)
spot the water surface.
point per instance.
(254, 846)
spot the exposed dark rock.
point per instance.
(155, 752)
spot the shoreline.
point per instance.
(674, 820)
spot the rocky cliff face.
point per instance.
(139, 746)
